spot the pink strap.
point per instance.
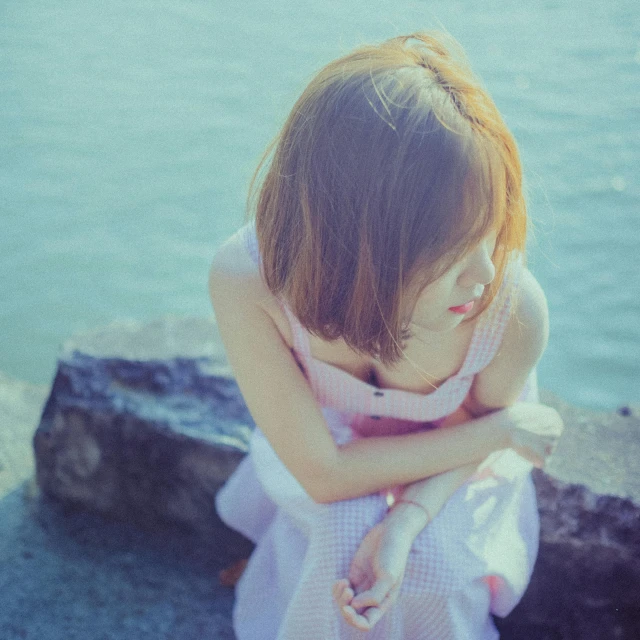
(300, 336)
(251, 241)
(486, 338)
(492, 323)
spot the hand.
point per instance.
(375, 575)
(534, 430)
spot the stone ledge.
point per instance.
(145, 422)
(143, 439)
(20, 408)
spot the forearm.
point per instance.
(371, 464)
(283, 405)
(432, 494)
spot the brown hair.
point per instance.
(392, 164)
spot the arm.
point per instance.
(281, 402)
(432, 493)
(497, 386)
(378, 566)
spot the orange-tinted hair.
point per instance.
(392, 164)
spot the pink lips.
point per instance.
(464, 308)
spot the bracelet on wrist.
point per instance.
(415, 504)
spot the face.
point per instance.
(445, 302)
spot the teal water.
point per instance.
(129, 132)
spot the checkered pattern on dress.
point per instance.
(475, 557)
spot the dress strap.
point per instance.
(300, 335)
(493, 322)
(248, 233)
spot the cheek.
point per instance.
(433, 298)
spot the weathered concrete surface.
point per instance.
(20, 407)
(128, 430)
(599, 449)
(70, 574)
(586, 583)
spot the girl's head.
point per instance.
(393, 166)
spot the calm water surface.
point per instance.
(129, 131)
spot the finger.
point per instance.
(355, 619)
(342, 593)
(338, 587)
(373, 615)
(346, 597)
(374, 596)
(366, 620)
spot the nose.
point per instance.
(479, 268)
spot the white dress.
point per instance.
(474, 559)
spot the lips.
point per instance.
(463, 308)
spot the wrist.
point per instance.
(409, 517)
(500, 426)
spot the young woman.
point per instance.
(384, 333)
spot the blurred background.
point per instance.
(129, 132)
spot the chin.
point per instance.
(440, 325)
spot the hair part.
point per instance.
(393, 163)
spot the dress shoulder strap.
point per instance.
(248, 234)
(300, 335)
(493, 322)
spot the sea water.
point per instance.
(129, 132)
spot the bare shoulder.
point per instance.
(232, 261)
(236, 287)
(500, 383)
(527, 331)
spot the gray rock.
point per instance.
(134, 429)
(146, 422)
(586, 582)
